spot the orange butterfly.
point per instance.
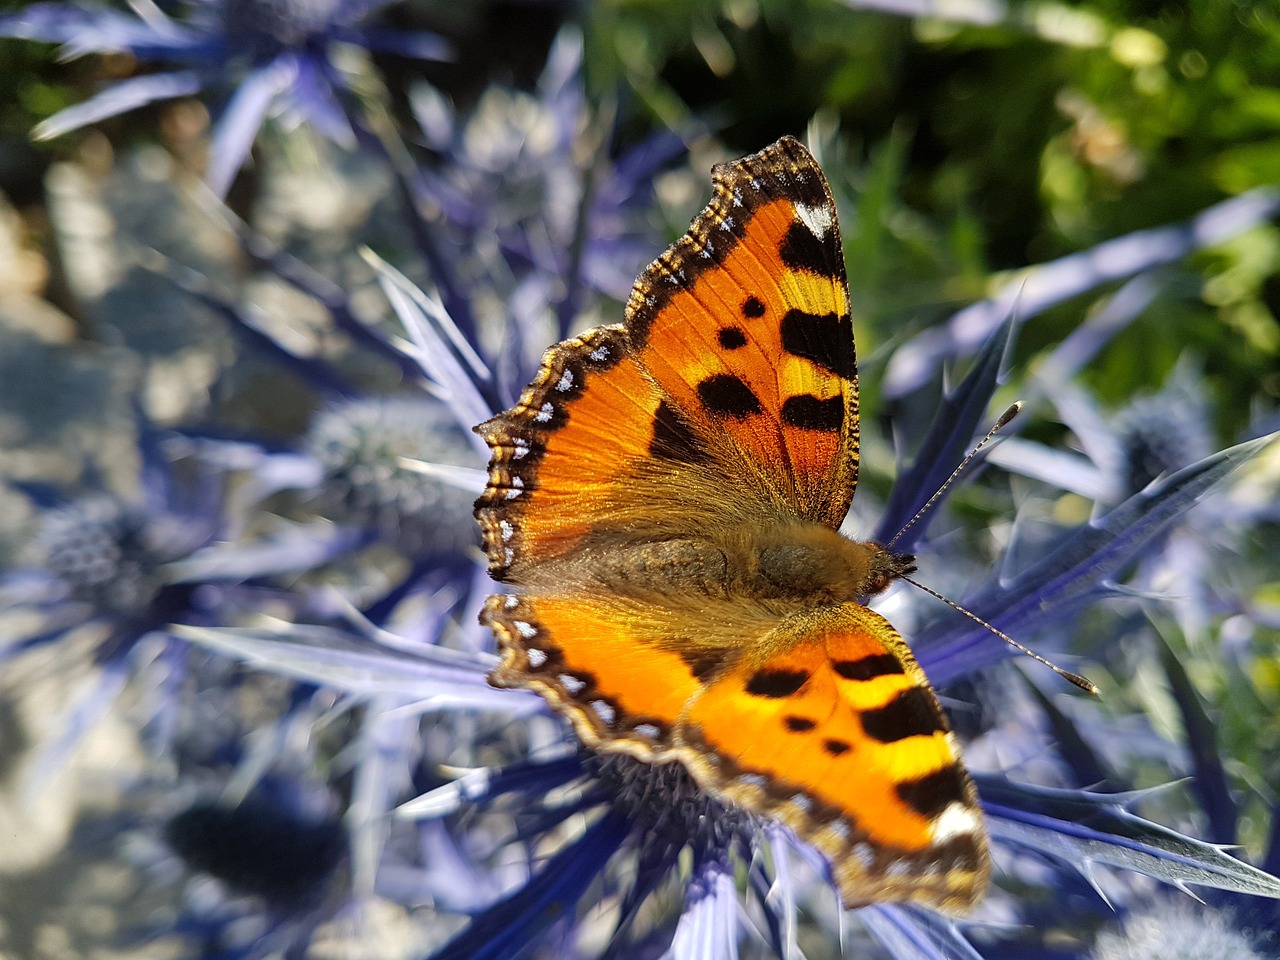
(666, 497)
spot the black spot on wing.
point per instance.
(836, 747)
(825, 339)
(807, 412)
(731, 338)
(801, 250)
(701, 663)
(868, 668)
(934, 792)
(752, 308)
(776, 684)
(799, 724)
(673, 440)
(911, 713)
(724, 395)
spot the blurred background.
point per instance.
(177, 376)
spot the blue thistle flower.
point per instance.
(105, 552)
(1163, 433)
(263, 845)
(517, 171)
(367, 451)
(132, 569)
(254, 869)
(114, 558)
(275, 56)
(1152, 436)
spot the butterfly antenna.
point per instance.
(1084, 683)
(996, 428)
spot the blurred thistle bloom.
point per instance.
(1123, 451)
(102, 564)
(1203, 566)
(525, 175)
(1163, 433)
(108, 554)
(275, 56)
(255, 870)
(100, 558)
(128, 570)
(1177, 930)
(415, 698)
(267, 845)
(385, 464)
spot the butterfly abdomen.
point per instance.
(800, 561)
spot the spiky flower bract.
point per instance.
(276, 58)
(367, 451)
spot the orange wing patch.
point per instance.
(665, 497)
(594, 449)
(571, 467)
(597, 667)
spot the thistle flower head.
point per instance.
(273, 57)
(106, 553)
(669, 811)
(264, 845)
(1176, 930)
(367, 450)
(266, 26)
(1162, 433)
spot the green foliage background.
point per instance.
(987, 148)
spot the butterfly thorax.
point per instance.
(811, 561)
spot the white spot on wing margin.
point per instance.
(956, 820)
(817, 219)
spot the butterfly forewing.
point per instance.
(745, 324)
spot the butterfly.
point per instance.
(664, 502)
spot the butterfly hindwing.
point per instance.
(597, 665)
(830, 726)
(823, 721)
